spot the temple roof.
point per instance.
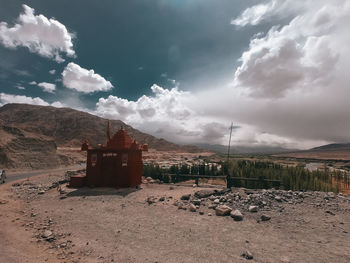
(120, 140)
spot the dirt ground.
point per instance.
(39, 224)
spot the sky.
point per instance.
(185, 70)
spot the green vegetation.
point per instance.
(255, 174)
(291, 178)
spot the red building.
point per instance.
(117, 164)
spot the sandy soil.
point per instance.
(110, 225)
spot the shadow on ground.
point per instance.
(97, 191)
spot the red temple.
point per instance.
(117, 164)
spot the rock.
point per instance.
(247, 255)
(171, 187)
(149, 179)
(182, 206)
(193, 208)
(186, 197)
(236, 215)
(330, 212)
(223, 210)
(41, 192)
(209, 214)
(265, 217)
(212, 206)
(196, 202)
(253, 209)
(161, 199)
(216, 201)
(47, 234)
(150, 200)
(204, 193)
(194, 185)
(223, 199)
(201, 212)
(278, 198)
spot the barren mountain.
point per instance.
(30, 134)
(334, 151)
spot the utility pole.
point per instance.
(228, 181)
(229, 143)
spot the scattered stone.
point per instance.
(193, 208)
(253, 209)
(201, 212)
(161, 199)
(265, 217)
(186, 197)
(247, 255)
(46, 234)
(278, 198)
(150, 200)
(223, 210)
(41, 192)
(204, 193)
(236, 215)
(216, 201)
(330, 212)
(196, 202)
(209, 214)
(212, 206)
(171, 187)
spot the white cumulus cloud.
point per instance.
(10, 98)
(83, 80)
(47, 87)
(46, 37)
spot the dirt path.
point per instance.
(109, 225)
(16, 242)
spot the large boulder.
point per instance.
(223, 210)
(237, 215)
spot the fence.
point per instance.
(230, 181)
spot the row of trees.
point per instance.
(268, 174)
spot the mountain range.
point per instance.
(30, 135)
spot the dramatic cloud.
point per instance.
(83, 80)
(290, 89)
(253, 15)
(300, 55)
(166, 114)
(47, 87)
(9, 98)
(46, 37)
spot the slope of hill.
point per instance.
(334, 151)
(30, 133)
(332, 147)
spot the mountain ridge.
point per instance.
(32, 131)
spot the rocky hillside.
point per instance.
(30, 134)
